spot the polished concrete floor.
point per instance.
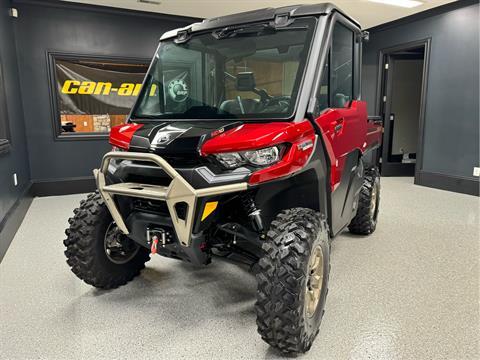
(409, 291)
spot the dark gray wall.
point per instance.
(48, 26)
(451, 135)
(16, 160)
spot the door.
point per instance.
(343, 120)
(402, 105)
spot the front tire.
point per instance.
(96, 250)
(293, 280)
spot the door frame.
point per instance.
(380, 104)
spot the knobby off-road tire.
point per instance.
(283, 318)
(86, 252)
(365, 221)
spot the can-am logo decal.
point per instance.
(178, 90)
(166, 135)
(75, 87)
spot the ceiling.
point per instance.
(369, 14)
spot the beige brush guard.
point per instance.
(179, 191)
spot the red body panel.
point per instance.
(121, 135)
(374, 134)
(294, 160)
(343, 130)
(256, 136)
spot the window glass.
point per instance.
(341, 73)
(94, 95)
(248, 72)
(323, 91)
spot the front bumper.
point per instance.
(178, 191)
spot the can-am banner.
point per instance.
(97, 87)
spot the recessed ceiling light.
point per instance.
(401, 3)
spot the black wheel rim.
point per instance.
(118, 248)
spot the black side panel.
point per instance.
(371, 156)
(306, 189)
(346, 194)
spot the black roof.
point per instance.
(260, 15)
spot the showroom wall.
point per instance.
(49, 26)
(451, 134)
(15, 158)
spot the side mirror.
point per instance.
(365, 36)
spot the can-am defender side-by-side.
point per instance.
(249, 139)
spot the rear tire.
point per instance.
(87, 253)
(365, 221)
(291, 292)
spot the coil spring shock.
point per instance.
(252, 211)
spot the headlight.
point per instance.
(261, 157)
(230, 160)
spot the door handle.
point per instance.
(338, 125)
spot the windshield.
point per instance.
(250, 72)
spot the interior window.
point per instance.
(341, 74)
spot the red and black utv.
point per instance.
(249, 139)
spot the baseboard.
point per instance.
(458, 184)
(68, 186)
(13, 219)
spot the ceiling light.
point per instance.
(401, 3)
(150, 2)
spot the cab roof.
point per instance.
(259, 15)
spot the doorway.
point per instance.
(402, 107)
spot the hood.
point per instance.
(178, 138)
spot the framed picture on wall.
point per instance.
(4, 128)
(90, 94)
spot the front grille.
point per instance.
(185, 161)
(150, 180)
(151, 206)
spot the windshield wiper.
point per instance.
(231, 31)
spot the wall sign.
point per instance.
(93, 95)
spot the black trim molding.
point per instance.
(55, 187)
(13, 219)
(458, 184)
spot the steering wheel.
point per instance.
(277, 104)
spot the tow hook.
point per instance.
(153, 248)
(154, 236)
